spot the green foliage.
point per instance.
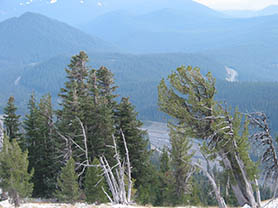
(166, 185)
(73, 103)
(164, 161)
(190, 99)
(181, 164)
(128, 124)
(68, 188)
(150, 191)
(94, 182)
(243, 145)
(15, 178)
(11, 120)
(40, 141)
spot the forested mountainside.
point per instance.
(32, 38)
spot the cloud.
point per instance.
(81, 1)
(237, 4)
(100, 4)
(53, 1)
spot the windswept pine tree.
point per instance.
(11, 120)
(189, 98)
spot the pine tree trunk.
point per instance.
(243, 190)
(258, 194)
(14, 197)
(216, 189)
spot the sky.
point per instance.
(238, 4)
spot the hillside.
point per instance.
(246, 44)
(33, 37)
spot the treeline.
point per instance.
(55, 153)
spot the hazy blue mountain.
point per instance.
(76, 12)
(33, 37)
(171, 30)
(70, 11)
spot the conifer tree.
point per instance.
(40, 140)
(128, 124)
(106, 86)
(11, 120)
(101, 114)
(94, 182)
(15, 178)
(166, 179)
(189, 98)
(181, 163)
(164, 161)
(73, 103)
(30, 127)
(68, 188)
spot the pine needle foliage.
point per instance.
(15, 178)
(68, 188)
(94, 182)
(11, 120)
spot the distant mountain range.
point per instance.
(172, 30)
(76, 12)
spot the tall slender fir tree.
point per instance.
(11, 120)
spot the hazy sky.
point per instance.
(238, 4)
